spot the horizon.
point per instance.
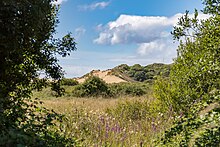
(109, 33)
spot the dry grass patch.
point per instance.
(98, 121)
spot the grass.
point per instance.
(124, 120)
(98, 121)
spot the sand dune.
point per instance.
(105, 75)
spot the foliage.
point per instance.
(115, 90)
(69, 82)
(193, 87)
(129, 89)
(196, 70)
(27, 48)
(96, 87)
(199, 128)
(92, 87)
(143, 73)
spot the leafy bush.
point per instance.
(28, 48)
(69, 82)
(131, 89)
(199, 128)
(193, 89)
(36, 128)
(92, 87)
(142, 73)
(196, 70)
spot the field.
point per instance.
(139, 112)
(155, 105)
(97, 121)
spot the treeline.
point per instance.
(95, 87)
(142, 73)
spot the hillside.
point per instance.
(106, 75)
(125, 73)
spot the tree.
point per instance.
(27, 48)
(193, 90)
(94, 86)
(140, 76)
(195, 71)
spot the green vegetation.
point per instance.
(184, 109)
(193, 89)
(27, 47)
(142, 73)
(129, 89)
(69, 82)
(112, 122)
(95, 87)
(92, 87)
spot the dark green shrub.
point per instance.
(136, 67)
(193, 91)
(131, 89)
(92, 87)
(95, 86)
(140, 76)
(69, 82)
(143, 73)
(78, 91)
(123, 67)
(28, 49)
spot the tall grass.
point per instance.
(122, 114)
(111, 122)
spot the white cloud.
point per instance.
(151, 34)
(58, 2)
(79, 32)
(93, 6)
(161, 45)
(137, 29)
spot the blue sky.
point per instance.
(113, 32)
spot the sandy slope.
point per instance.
(105, 75)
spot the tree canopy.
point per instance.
(27, 48)
(193, 90)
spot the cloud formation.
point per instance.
(137, 29)
(58, 2)
(79, 32)
(93, 6)
(151, 34)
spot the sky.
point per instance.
(113, 32)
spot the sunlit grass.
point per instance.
(95, 121)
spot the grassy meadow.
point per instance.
(119, 120)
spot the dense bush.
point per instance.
(198, 128)
(193, 89)
(37, 128)
(95, 86)
(92, 87)
(130, 89)
(143, 73)
(69, 82)
(28, 48)
(196, 71)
